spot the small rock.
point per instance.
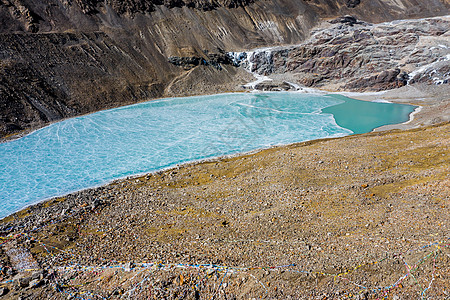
(348, 20)
(128, 267)
(22, 282)
(95, 204)
(3, 291)
(35, 283)
(37, 275)
(50, 273)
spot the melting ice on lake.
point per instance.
(95, 149)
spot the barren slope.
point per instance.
(358, 217)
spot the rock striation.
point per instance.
(215, 60)
(347, 54)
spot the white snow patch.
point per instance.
(381, 101)
(295, 86)
(426, 67)
(259, 79)
(411, 115)
(357, 94)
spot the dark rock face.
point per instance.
(45, 78)
(87, 6)
(147, 6)
(23, 103)
(352, 3)
(389, 79)
(186, 62)
(348, 20)
(215, 60)
(271, 86)
(438, 74)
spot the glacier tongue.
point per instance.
(258, 62)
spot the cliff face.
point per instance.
(64, 58)
(349, 55)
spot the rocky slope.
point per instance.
(359, 217)
(350, 55)
(64, 58)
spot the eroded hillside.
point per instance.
(65, 58)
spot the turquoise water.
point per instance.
(364, 116)
(95, 149)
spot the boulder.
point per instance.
(348, 20)
(352, 3)
(273, 86)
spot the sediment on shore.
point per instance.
(362, 216)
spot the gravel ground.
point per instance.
(358, 217)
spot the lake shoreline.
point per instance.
(283, 183)
(418, 94)
(431, 114)
(282, 126)
(50, 223)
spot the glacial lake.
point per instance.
(95, 149)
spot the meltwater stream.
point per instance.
(95, 149)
